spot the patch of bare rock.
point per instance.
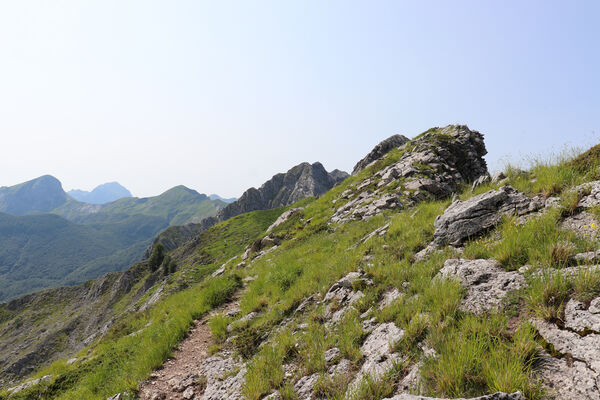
(486, 282)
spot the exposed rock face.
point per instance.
(470, 218)
(42, 194)
(343, 294)
(284, 217)
(432, 166)
(583, 349)
(591, 199)
(487, 283)
(302, 181)
(580, 318)
(377, 351)
(568, 380)
(224, 378)
(379, 151)
(495, 396)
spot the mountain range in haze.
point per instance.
(101, 194)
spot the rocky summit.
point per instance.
(419, 277)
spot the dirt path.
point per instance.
(180, 373)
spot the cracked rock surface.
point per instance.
(487, 283)
(583, 350)
(432, 166)
(470, 218)
(580, 318)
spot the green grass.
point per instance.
(121, 361)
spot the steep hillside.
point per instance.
(101, 194)
(38, 195)
(300, 182)
(60, 322)
(420, 277)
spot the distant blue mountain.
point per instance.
(101, 194)
(217, 197)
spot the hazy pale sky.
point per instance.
(221, 95)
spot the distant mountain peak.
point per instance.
(41, 194)
(217, 197)
(101, 194)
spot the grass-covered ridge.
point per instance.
(460, 354)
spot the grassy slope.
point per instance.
(119, 361)
(475, 354)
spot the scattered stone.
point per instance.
(483, 179)
(466, 219)
(224, 377)
(487, 283)
(593, 197)
(158, 396)
(241, 265)
(377, 352)
(498, 176)
(342, 368)
(381, 231)
(244, 320)
(332, 354)
(28, 384)
(218, 272)
(590, 257)
(584, 224)
(369, 325)
(115, 397)
(284, 217)
(233, 311)
(274, 396)
(188, 393)
(580, 318)
(305, 386)
(389, 297)
(72, 360)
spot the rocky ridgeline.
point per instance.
(432, 166)
(300, 182)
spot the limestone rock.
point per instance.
(593, 198)
(332, 354)
(432, 166)
(483, 179)
(584, 224)
(379, 151)
(581, 348)
(305, 386)
(470, 218)
(487, 283)
(224, 377)
(284, 217)
(389, 297)
(580, 318)
(587, 258)
(568, 380)
(377, 352)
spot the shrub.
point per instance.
(157, 256)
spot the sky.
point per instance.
(221, 95)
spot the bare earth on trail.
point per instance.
(180, 373)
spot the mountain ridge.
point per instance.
(104, 193)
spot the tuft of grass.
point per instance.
(350, 335)
(588, 163)
(586, 284)
(547, 293)
(477, 356)
(264, 373)
(218, 327)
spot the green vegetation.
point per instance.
(462, 354)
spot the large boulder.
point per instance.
(379, 151)
(466, 219)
